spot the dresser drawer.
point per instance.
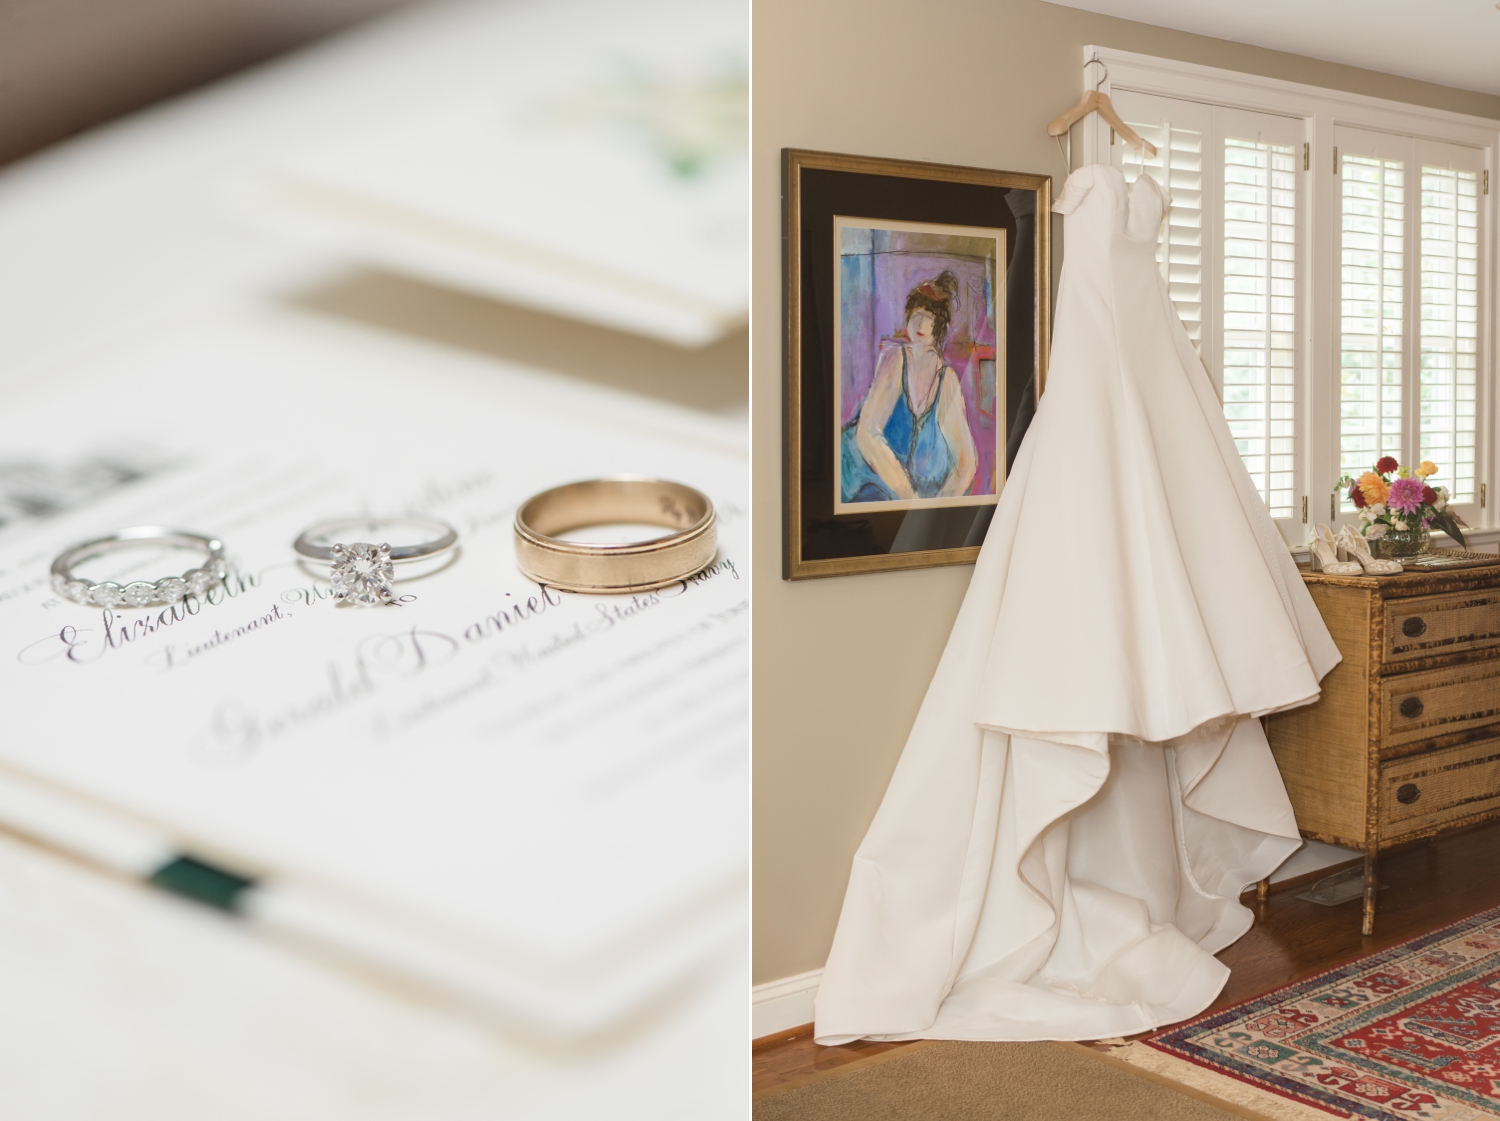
(1441, 786)
(1437, 702)
(1426, 625)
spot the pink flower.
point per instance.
(1406, 495)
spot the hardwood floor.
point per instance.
(1427, 885)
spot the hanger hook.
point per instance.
(1104, 77)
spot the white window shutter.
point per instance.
(1178, 168)
(1260, 313)
(1448, 321)
(1372, 308)
(1231, 252)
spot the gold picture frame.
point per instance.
(822, 193)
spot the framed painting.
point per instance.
(915, 350)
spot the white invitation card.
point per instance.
(531, 801)
(586, 157)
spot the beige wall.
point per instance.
(841, 664)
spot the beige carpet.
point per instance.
(948, 1081)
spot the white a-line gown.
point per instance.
(1087, 789)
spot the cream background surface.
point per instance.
(841, 665)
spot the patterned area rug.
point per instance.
(1412, 1032)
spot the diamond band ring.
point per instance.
(363, 573)
(576, 566)
(139, 593)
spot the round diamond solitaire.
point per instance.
(363, 574)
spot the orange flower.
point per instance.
(1373, 487)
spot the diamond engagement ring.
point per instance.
(577, 566)
(139, 593)
(363, 573)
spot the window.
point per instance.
(1229, 253)
(1340, 304)
(1409, 306)
(1450, 324)
(1372, 311)
(1260, 313)
(1177, 166)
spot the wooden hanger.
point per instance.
(1096, 102)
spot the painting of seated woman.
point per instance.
(916, 346)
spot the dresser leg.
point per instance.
(1372, 884)
(1262, 890)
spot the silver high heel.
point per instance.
(1357, 548)
(1324, 551)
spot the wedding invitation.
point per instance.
(528, 801)
(581, 156)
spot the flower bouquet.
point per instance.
(1397, 507)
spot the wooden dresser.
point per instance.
(1405, 741)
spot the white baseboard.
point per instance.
(788, 1003)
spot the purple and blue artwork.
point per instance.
(919, 363)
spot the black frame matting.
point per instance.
(817, 186)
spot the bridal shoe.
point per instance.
(1324, 550)
(1357, 548)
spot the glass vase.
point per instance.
(1398, 543)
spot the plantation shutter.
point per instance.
(1411, 287)
(1447, 292)
(1232, 252)
(1180, 131)
(1373, 308)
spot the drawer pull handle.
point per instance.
(1411, 708)
(1407, 793)
(1414, 627)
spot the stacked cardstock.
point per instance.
(580, 156)
(527, 802)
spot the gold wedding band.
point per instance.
(575, 566)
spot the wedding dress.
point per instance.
(1087, 787)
